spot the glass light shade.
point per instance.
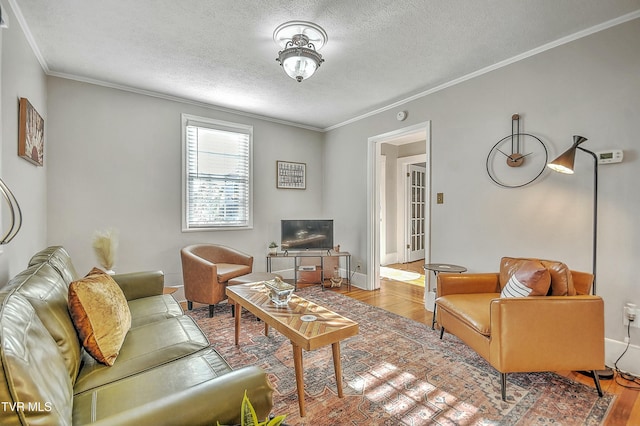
(300, 63)
(300, 42)
(299, 67)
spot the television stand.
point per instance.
(285, 253)
(322, 254)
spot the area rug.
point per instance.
(398, 372)
(408, 277)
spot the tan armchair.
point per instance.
(524, 334)
(206, 269)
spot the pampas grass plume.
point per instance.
(105, 245)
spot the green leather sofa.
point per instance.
(166, 373)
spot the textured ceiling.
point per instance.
(221, 52)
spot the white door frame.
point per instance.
(382, 188)
(373, 195)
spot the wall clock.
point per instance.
(518, 159)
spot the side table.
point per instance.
(436, 268)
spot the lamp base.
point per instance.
(606, 374)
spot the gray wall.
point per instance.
(115, 162)
(589, 87)
(21, 76)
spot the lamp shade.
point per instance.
(300, 63)
(564, 162)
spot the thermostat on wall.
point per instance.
(610, 156)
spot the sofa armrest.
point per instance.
(219, 400)
(136, 285)
(449, 283)
(552, 333)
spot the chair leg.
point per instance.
(189, 305)
(596, 380)
(211, 310)
(233, 310)
(503, 386)
(441, 332)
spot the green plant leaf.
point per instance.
(276, 421)
(248, 415)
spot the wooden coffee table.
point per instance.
(307, 325)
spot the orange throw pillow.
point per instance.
(530, 279)
(561, 276)
(100, 314)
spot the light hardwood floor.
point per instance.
(407, 300)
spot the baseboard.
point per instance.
(630, 361)
(359, 280)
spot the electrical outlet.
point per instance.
(630, 312)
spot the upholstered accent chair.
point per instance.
(206, 269)
(534, 315)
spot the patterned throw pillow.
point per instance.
(530, 279)
(100, 314)
(561, 276)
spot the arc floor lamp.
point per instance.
(564, 164)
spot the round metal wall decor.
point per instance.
(517, 159)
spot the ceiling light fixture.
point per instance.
(300, 41)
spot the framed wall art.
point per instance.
(30, 134)
(291, 175)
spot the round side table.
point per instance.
(437, 268)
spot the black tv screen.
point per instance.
(306, 234)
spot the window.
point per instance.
(217, 181)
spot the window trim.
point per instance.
(188, 119)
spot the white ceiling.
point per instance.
(221, 52)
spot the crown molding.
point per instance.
(179, 99)
(580, 34)
(564, 40)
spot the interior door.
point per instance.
(417, 181)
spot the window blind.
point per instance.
(218, 180)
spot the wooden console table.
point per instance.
(295, 255)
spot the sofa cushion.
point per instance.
(153, 308)
(471, 309)
(226, 271)
(530, 279)
(561, 277)
(145, 347)
(59, 259)
(47, 293)
(199, 389)
(32, 367)
(100, 314)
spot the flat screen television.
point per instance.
(306, 234)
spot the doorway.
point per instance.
(378, 199)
